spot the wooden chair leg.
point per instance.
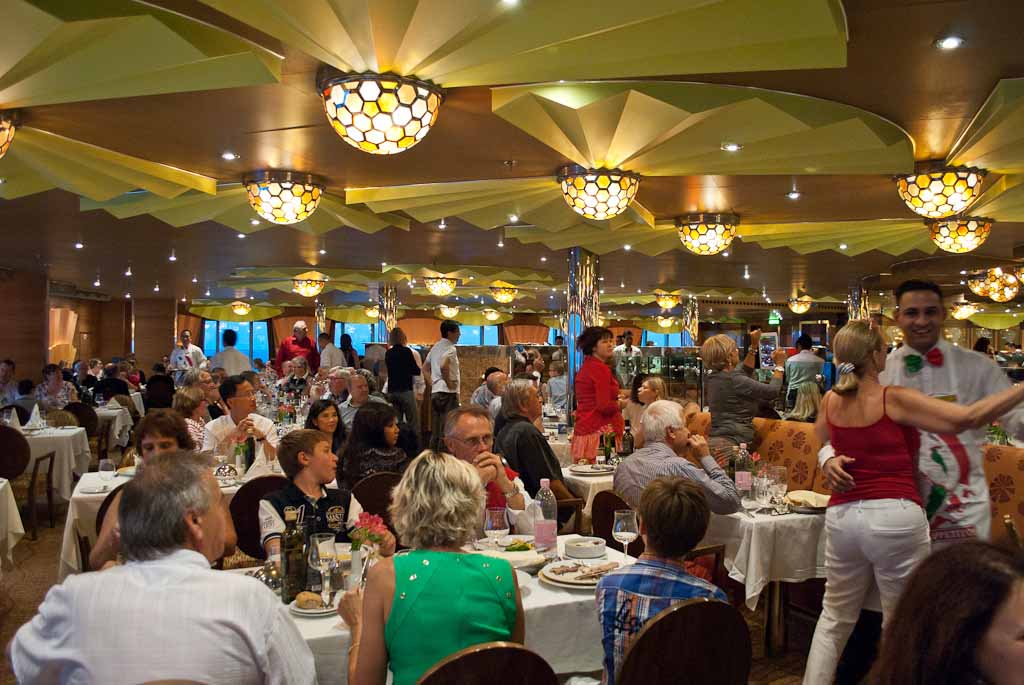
(49, 494)
(84, 550)
(33, 523)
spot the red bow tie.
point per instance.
(934, 356)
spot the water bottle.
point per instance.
(744, 473)
(545, 524)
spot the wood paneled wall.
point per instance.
(154, 329)
(24, 337)
(115, 329)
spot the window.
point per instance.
(361, 334)
(668, 339)
(491, 335)
(471, 335)
(260, 341)
(253, 340)
(211, 341)
(552, 334)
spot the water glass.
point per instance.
(322, 557)
(625, 528)
(107, 470)
(495, 524)
(778, 478)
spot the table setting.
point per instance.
(117, 421)
(11, 528)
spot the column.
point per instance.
(387, 311)
(857, 302)
(583, 307)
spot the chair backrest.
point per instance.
(1004, 471)
(699, 641)
(603, 518)
(101, 513)
(374, 493)
(23, 414)
(159, 392)
(59, 417)
(15, 453)
(126, 402)
(86, 417)
(245, 512)
(491, 663)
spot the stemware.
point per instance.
(625, 528)
(778, 483)
(495, 524)
(107, 470)
(322, 557)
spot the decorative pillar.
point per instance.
(387, 311)
(320, 310)
(583, 309)
(857, 303)
(691, 318)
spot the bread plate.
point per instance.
(313, 613)
(591, 470)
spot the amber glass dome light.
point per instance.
(667, 301)
(964, 310)
(241, 308)
(283, 197)
(937, 192)
(491, 315)
(309, 284)
(381, 114)
(996, 284)
(440, 286)
(707, 234)
(598, 193)
(959, 234)
(8, 126)
(800, 305)
(372, 312)
(666, 321)
(504, 294)
(448, 312)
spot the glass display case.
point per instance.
(681, 367)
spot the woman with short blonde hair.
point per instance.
(191, 403)
(435, 600)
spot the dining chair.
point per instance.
(159, 392)
(101, 513)
(374, 494)
(90, 421)
(491, 663)
(699, 641)
(575, 504)
(245, 512)
(16, 454)
(126, 402)
(1011, 531)
(60, 417)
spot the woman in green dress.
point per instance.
(424, 605)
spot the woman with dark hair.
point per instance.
(372, 447)
(325, 417)
(349, 352)
(597, 394)
(54, 392)
(960, 620)
(983, 345)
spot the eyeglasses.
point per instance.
(482, 441)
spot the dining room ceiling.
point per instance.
(893, 70)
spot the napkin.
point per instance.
(14, 421)
(36, 420)
(113, 404)
(806, 498)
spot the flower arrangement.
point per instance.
(369, 529)
(608, 444)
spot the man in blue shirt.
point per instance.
(673, 519)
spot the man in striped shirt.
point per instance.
(667, 441)
(673, 519)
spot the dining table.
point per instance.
(117, 422)
(586, 486)
(11, 528)
(561, 625)
(137, 401)
(72, 455)
(762, 551)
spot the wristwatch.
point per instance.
(513, 492)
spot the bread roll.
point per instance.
(308, 600)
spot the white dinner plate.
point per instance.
(484, 544)
(94, 489)
(314, 613)
(591, 470)
(568, 581)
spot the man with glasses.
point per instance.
(243, 425)
(298, 344)
(469, 436)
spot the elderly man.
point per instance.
(299, 380)
(243, 424)
(666, 442)
(359, 395)
(483, 395)
(186, 356)
(469, 436)
(337, 385)
(199, 625)
(8, 386)
(298, 344)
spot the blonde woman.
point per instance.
(877, 530)
(645, 390)
(805, 408)
(435, 600)
(192, 404)
(732, 395)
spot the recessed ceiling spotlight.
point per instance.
(79, 245)
(96, 283)
(730, 298)
(252, 297)
(509, 3)
(639, 290)
(254, 222)
(127, 296)
(725, 254)
(843, 246)
(731, 147)
(501, 242)
(2, 180)
(963, 282)
(793, 194)
(622, 284)
(949, 43)
(963, 272)
(323, 250)
(513, 218)
(746, 272)
(627, 247)
(383, 263)
(241, 236)
(156, 288)
(173, 257)
(543, 259)
(442, 224)
(183, 298)
(128, 271)
(195, 279)
(207, 293)
(228, 156)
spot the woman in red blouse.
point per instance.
(597, 394)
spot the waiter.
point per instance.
(951, 476)
(186, 356)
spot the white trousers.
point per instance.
(878, 541)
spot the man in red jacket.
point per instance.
(299, 344)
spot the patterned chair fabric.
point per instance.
(1004, 470)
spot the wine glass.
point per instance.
(625, 528)
(778, 483)
(107, 470)
(495, 524)
(322, 557)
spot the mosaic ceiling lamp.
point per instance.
(996, 284)
(8, 126)
(964, 310)
(448, 312)
(382, 114)
(800, 305)
(309, 284)
(372, 312)
(491, 314)
(598, 193)
(707, 234)
(440, 286)
(241, 308)
(283, 197)
(936, 192)
(667, 300)
(666, 321)
(504, 294)
(959, 234)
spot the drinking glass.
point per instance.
(495, 524)
(625, 528)
(778, 478)
(323, 558)
(762, 490)
(107, 470)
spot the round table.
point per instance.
(11, 528)
(117, 421)
(70, 446)
(586, 488)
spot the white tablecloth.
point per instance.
(586, 487)
(117, 421)
(561, 625)
(788, 548)
(11, 529)
(560, 446)
(71, 446)
(137, 400)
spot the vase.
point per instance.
(356, 568)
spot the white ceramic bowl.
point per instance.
(585, 548)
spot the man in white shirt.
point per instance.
(186, 355)
(330, 355)
(231, 360)
(359, 395)
(243, 424)
(442, 362)
(625, 356)
(802, 367)
(164, 615)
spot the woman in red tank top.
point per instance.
(877, 530)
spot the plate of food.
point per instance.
(128, 471)
(807, 502)
(227, 481)
(507, 543)
(591, 469)
(585, 548)
(310, 605)
(578, 575)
